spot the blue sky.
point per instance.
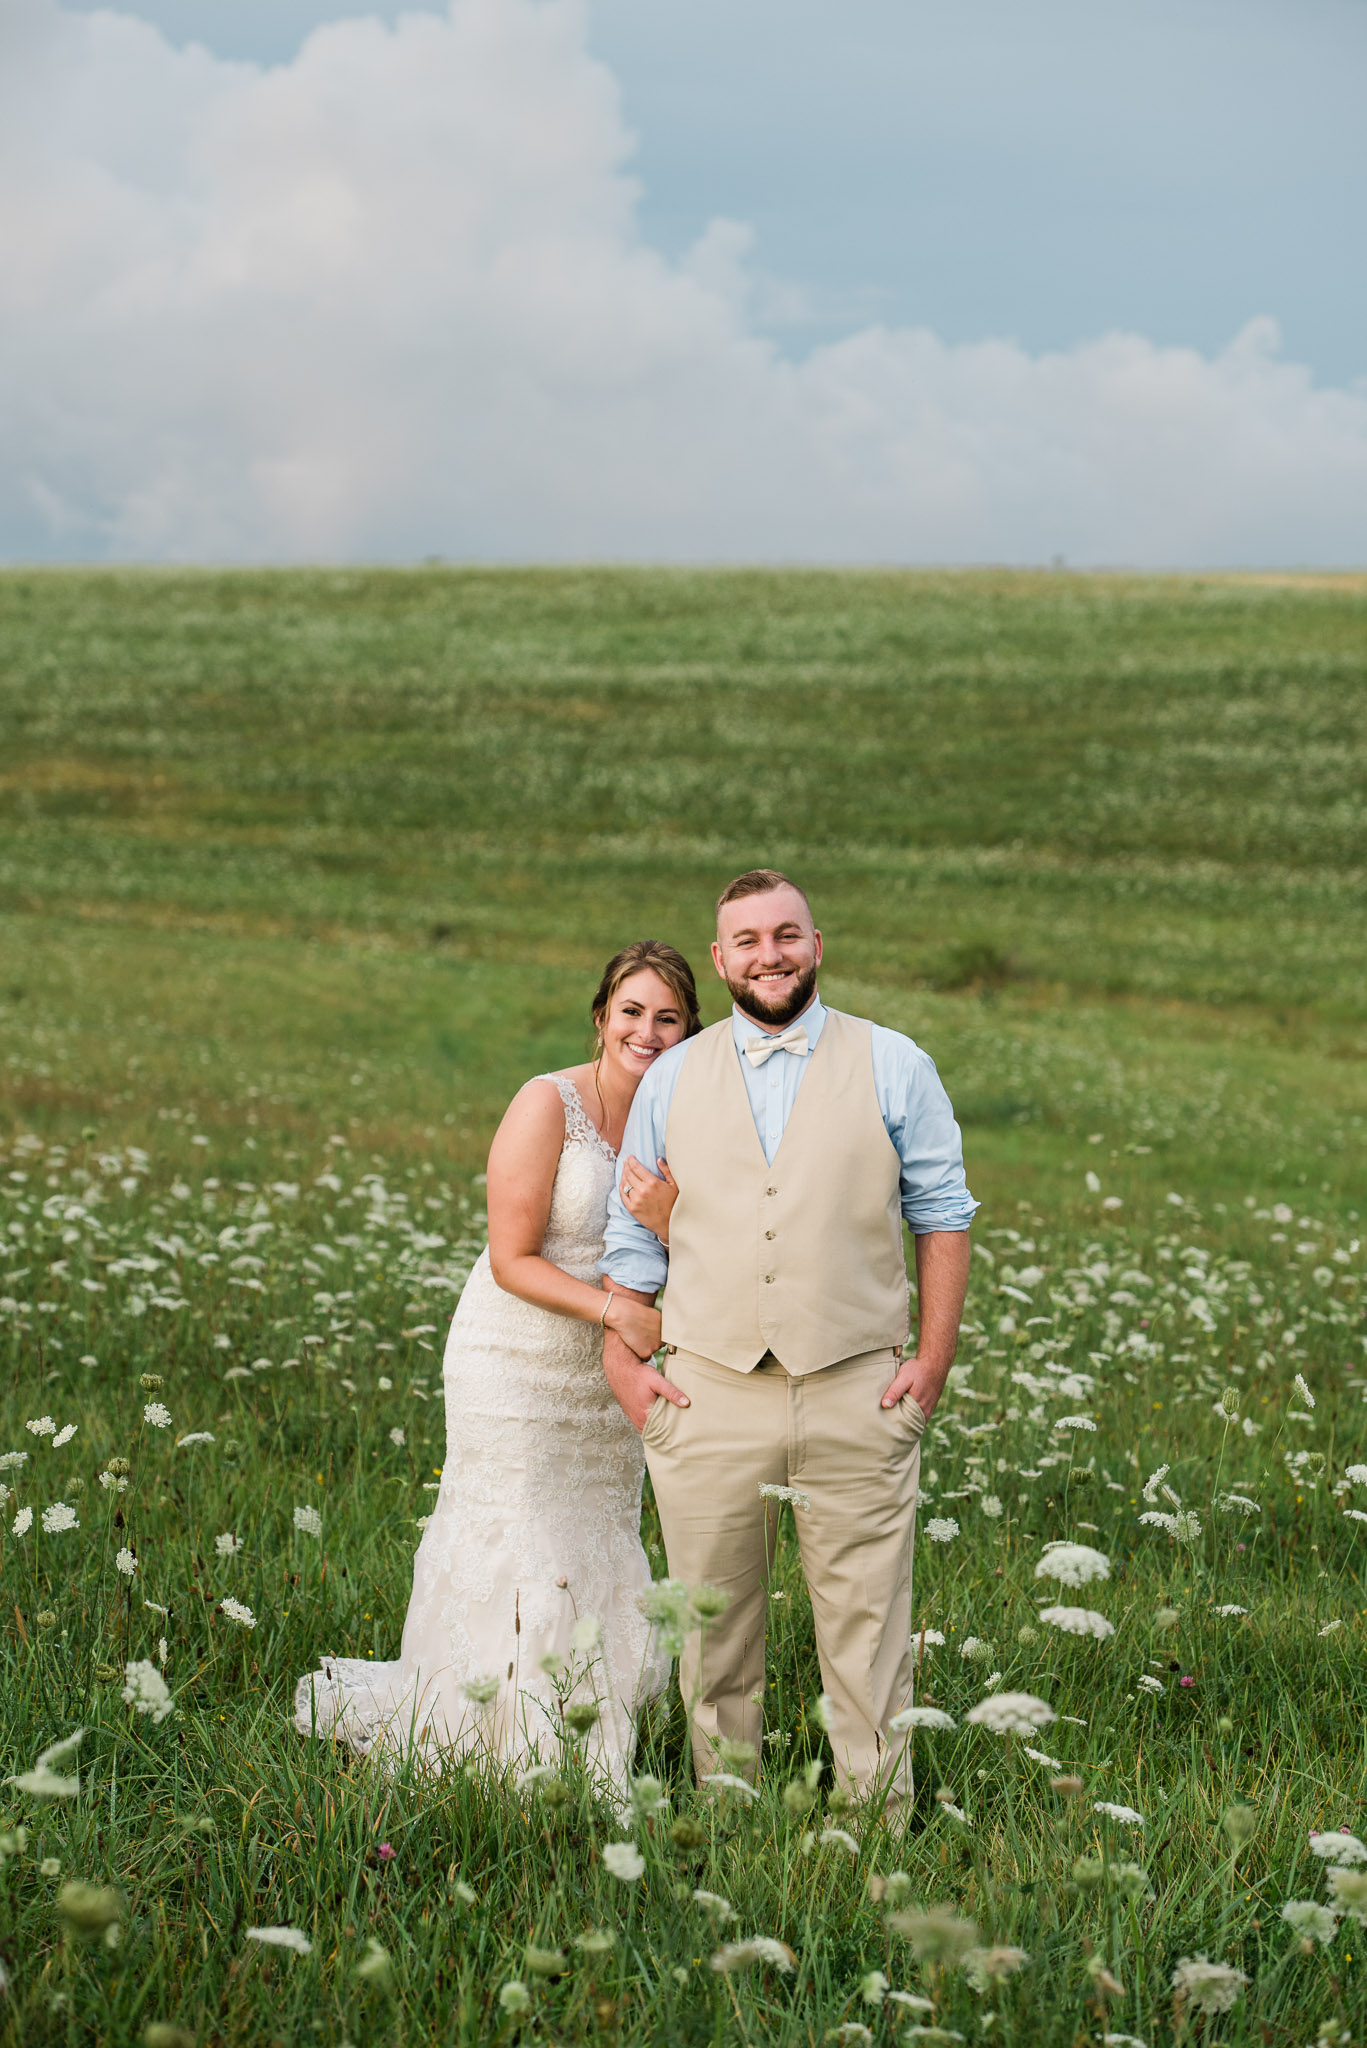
(679, 280)
(1044, 171)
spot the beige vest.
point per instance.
(803, 1258)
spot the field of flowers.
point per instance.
(298, 878)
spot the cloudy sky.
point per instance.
(864, 280)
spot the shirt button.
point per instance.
(768, 1233)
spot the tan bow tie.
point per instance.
(757, 1050)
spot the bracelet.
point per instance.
(603, 1319)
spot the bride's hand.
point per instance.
(649, 1197)
(637, 1325)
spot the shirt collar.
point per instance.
(743, 1027)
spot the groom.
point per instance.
(800, 1138)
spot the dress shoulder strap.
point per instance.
(579, 1126)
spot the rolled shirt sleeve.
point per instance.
(633, 1255)
(920, 1122)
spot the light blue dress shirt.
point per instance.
(915, 1109)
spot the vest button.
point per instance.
(768, 1279)
(771, 1191)
(770, 1233)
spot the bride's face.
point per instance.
(643, 1020)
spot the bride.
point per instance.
(531, 1562)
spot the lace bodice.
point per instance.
(583, 1182)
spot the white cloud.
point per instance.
(390, 299)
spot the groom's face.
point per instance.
(767, 952)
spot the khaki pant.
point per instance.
(858, 1464)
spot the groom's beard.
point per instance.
(746, 998)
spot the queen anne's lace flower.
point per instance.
(942, 1528)
(624, 1860)
(281, 1937)
(1338, 1846)
(235, 1611)
(760, 1948)
(1012, 1713)
(58, 1517)
(146, 1690)
(1210, 1987)
(308, 1521)
(1073, 1564)
(64, 1436)
(42, 1425)
(227, 1545)
(157, 1414)
(1125, 1815)
(1078, 1621)
(920, 1717)
(22, 1522)
(125, 1562)
(1312, 1921)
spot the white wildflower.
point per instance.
(1237, 1503)
(977, 1650)
(1338, 1847)
(1354, 1515)
(481, 1692)
(397, 1436)
(1011, 1713)
(1184, 1526)
(1210, 1987)
(125, 1562)
(235, 1611)
(113, 1482)
(10, 1459)
(58, 1517)
(162, 1611)
(43, 1425)
(586, 1635)
(1075, 1422)
(712, 1902)
(1349, 1890)
(308, 1521)
(64, 1436)
(921, 1717)
(1039, 1756)
(22, 1522)
(45, 1781)
(227, 1545)
(196, 1436)
(1078, 1621)
(1125, 1815)
(1148, 1683)
(942, 1528)
(1357, 1473)
(158, 1414)
(760, 1948)
(991, 1506)
(1312, 1921)
(1072, 1564)
(1153, 1482)
(1303, 1390)
(1330, 1626)
(1230, 1607)
(281, 1937)
(624, 1860)
(147, 1691)
(788, 1493)
(727, 1781)
(836, 1838)
(931, 1637)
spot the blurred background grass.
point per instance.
(353, 845)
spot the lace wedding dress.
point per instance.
(536, 1528)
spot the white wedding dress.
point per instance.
(536, 1528)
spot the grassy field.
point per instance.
(300, 875)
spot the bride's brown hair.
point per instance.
(673, 970)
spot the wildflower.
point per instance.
(735, 1755)
(1339, 1847)
(90, 1908)
(1073, 1564)
(1184, 1526)
(1357, 1473)
(113, 1482)
(10, 1459)
(1025, 1635)
(665, 1604)
(1078, 1621)
(942, 1528)
(374, 1966)
(760, 1948)
(157, 1414)
(1240, 1824)
(873, 1988)
(162, 1611)
(227, 1545)
(586, 1635)
(196, 1436)
(712, 1902)
(920, 1717)
(515, 1999)
(727, 1781)
(581, 1715)
(64, 1436)
(1069, 1786)
(688, 1834)
(977, 1650)
(1011, 1713)
(909, 2001)
(22, 1522)
(1038, 1756)
(893, 1890)
(1330, 1626)
(146, 1690)
(598, 1941)
(991, 1506)
(1167, 1617)
(386, 1852)
(125, 1562)
(708, 1603)
(58, 1517)
(45, 1618)
(1312, 1922)
(788, 1493)
(1303, 1390)
(852, 2034)
(42, 1426)
(51, 1866)
(1147, 1683)
(44, 1781)
(1153, 1482)
(1237, 1503)
(481, 1692)
(624, 1860)
(984, 1965)
(1228, 1609)
(281, 1937)
(235, 1611)
(308, 1521)
(466, 1893)
(151, 1382)
(1125, 1815)
(1210, 1987)
(397, 1436)
(928, 1638)
(1075, 1422)
(938, 1937)
(836, 1838)
(1229, 1402)
(1123, 2041)
(545, 1962)
(1349, 1889)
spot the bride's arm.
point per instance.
(522, 1166)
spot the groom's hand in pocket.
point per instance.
(634, 1380)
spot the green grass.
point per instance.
(316, 868)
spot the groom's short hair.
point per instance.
(759, 882)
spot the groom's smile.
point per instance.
(767, 952)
